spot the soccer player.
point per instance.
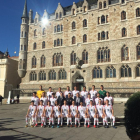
(39, 92)
(74, 92)
(31, 114)
(100, 113)
(109, 113)
(48, 113)
(109, 98)
(49, 93)
(53, 99)
(82, 113)
(56, 109)
(93, 93)
(67, 92)
(65, 113)
(58, 92)
(87, 101)
(39, 113)
(84, 94)
(73, 112)
(97, 99)
(35, 99)
(44, 99)
(92, 113)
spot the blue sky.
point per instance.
(10, 15)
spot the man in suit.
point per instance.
(78, 99)
(61, 99)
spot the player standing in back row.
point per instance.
(93, 93)
(109, 98)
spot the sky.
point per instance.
(10, 16)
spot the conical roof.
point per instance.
(25, 14)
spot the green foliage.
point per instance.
(132, 115)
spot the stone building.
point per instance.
(89, 42)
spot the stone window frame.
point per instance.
(107, 35)
(35, 32)
(42, 75)
(85, 9)
(43, 45)
(60, 14)
(104, 4)
(138, 30)
(85, 57)
(34, 62)
(62, 74)
(85, 23)
(106, 19)
(43, 31)
(84, 38)
(42, 61)
(34, 46)
(52, 75)
(73, 25)
(103, 36)
(110, 72)
(126, 71)
(103, 55)
(25, 48)
(138, 70)
(73, 40)
(100, 5)
(124, 32)
(138, 51)
(122, 1)
(58, 42)
(125, 53)
(123, 15)
(73, 58)
(102, 19)
(138, 12)
(33, 76)
(97, 72)
(58, 59)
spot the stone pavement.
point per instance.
(12, 122)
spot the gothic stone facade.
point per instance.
(113, 37)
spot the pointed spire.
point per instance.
(25, 14)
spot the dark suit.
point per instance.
(60, 100)
(77, 101)
(69, 101)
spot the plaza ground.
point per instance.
(12, 127)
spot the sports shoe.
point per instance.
(41, 125)
(26, 125)
(35, 125)
(52, 126)
(94, 126)
(44, 126)
(85, 126)
(58, 126)
(114, 126)
(70, 125)
(88, 126)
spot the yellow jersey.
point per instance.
(39, 93)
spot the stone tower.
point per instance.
(23, 43)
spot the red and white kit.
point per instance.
(110, 99)
(100, 110)
(91, 110)
(56, 111)
(48, 110)
(67, 92)
(44, 100)
(84, 96)
(97, 101)
(74, 92)
(36, 100)
(49, 95)
(73, 110)
(82, 110)
(52, 100)
(93, 94)
(108, 111)
(87, 101)
(57, 94)
(65, 109)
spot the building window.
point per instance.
(123, 1)
(98, 20)
(97, 72)
(103, 55)
(42, 75)
(61, 42)
(138, 70)
(58, 42)
(55, 43)
(62, 74)
(73, 12)
(84, 23)
(107, 19)
(73, 58)
(85, 8)
(138, 51)
(124, 32)
(107, 35)
(34, 62)
(58, 59)
(33, 76)
(73, 25)
(102, 35)
(99, 36)
(125, 53)
(85, 57)
(104, 4)
(58, 28)
(25, 48)
(43, 44)
(56, 15)
(21, 48)
(138, 12)
(60, 15)
(61, 27)
(35, 32)
(100, 5)
(43, 31)
(34, 46)
(43, 60)
(84, 38)
(102, 19)
(22, 34)
(25, 34)
(55, 29)
(125, 71)
(138, 29)
(110, 72)
(123, 15)
(73, 40)
(52, 75)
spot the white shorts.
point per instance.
(73, 114)
(82, 116)
(109, 116)
(92, 115)
(64, 114)
(56, 115)
(48, 115)
(100, 115)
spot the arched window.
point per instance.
(102, 19)
(73, 25)
(99, 20)
(85, 57)
(52, 75)
(62, 74)
(73, 58)
(33, 76)
(138, 51)
(124, 32)
(60, 15)
(138, 29)
(55, 44)
(43, 44)
(42, 75)
(104, 4)
(138, 12)
(84, 23)
(73, 12)
(84, 38)
(43, 31)
(85, 8)
(22, 34)
(58, 59)
(34, 62)
(123, 1)
(110, 72)
(58, 42)
(99, 36)
(123, 15)
(55, 29)
(103, 55)
(100, 5)
(21, 48)
(125, 53)
(97, 72)
(43, 60)
(138, 70)
(61, 27)
(56, 15)
(109, 2)
(102, 35)
(35, 32)
(73, 40)
(34, 46)
(125, 71)
(58, 28)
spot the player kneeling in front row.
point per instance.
(73, 113)
(108, 111)
(39, 114)
(48, 113)
(31, 114)
(92, 113)
(56, 110)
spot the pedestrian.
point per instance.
(1, 99)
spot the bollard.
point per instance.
(9, 97)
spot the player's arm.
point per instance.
(104, 112)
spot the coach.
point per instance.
(69, 99)
(78, 99)
(60, 99)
